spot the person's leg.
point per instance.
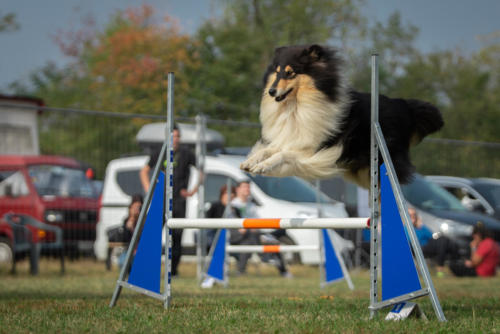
(447, 249)
(176, 249)
(437, 249)
(442, 247)
(179, 211)
(281, 264)
(430, 249)
(242, 262)
(459, 269)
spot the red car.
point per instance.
(54, 190)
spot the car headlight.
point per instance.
(54, 216)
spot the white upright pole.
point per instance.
(374, 188)
(200, 241)
(169, 183)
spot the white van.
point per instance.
(288, 197)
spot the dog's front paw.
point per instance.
(246, 166)
(262, 168)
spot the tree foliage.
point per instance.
(236, 48)
(219, 71)
(122, 69)
(8, 22)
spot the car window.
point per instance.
(213, 184)
(129, 182)
(491, 192)
(55, 180)
(13, 184)
(467, 198)
(429, 196)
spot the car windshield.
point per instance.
(53, 180)
(491, 192)
(429, 196)
(291, 189)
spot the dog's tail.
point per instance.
(428, 119)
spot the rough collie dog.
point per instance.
(315, 126)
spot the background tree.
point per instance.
(236, 48)
(219, 72)
(121, 68)
(8, 22)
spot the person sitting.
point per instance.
(484, 255)
(130, 222)
(220, 209)
(439, 248)
(247, 209)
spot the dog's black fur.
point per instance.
(303, 85)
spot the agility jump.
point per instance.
(274, 223)
(332, 266)
(400, 281)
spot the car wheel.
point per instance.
(6, 255)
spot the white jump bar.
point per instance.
(285, 223)
(270, 248)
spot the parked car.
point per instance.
(54, 190)
(442, 212)
(439, 210)
(479, 194)
(274, 197)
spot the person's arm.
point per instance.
(192, 162)
(188, 193)
(144, 176)
(477, 254)
(475, 260)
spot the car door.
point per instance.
(15, 194)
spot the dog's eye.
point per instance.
(289, 74)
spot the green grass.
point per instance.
(261, 302)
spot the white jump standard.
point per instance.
(402, 259)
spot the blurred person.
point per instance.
(183, 160)
(247, 209)
(484, 255)
(469, 201)
(438, 248)
(130, 222)
(219, 209)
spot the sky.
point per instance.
(443, 24)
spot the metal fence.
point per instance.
(94, 138)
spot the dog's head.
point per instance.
(282, 78)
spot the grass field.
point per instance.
(261, 302)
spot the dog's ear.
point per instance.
(311, 54)
(315, 52)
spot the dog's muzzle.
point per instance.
(279, 98)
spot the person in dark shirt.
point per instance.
(218, 210)
(130, 221)
(129, 224)
(183, 160)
